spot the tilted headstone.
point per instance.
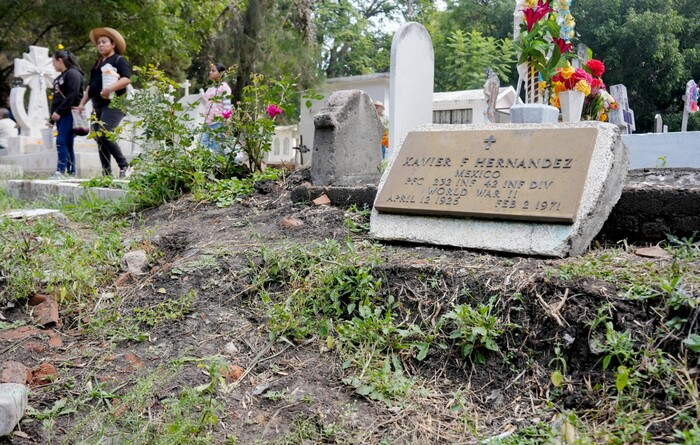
(623, 116)
(411, 86)
(347, 140)
(534, 189)
(37, 72)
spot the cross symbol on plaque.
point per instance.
(489, 140)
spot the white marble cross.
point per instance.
(186, 85)
(37, 72)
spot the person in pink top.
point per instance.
(217, 107)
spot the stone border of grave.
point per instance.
(71, 190)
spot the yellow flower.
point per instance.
(603, 117)
(567, 72)
(60, 47)
(530, 3)
(570, 22)
(542, 85)
(583, 86)
(558, 87)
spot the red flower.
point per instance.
(273, 110)
(534, 15)
(596, 66)
(562, 44)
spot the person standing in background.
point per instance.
(110, 63)
(67, 92)
(217, 104)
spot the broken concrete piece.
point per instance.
(13, 403)
(45, 311)
(13, 372)
(137, 262)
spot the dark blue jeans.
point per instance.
(64, 145)
(109, 119)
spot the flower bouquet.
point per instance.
(599, 102)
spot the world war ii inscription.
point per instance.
(529, 174)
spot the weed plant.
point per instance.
(43, 255)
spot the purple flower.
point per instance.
(226, 113)
(273, 110)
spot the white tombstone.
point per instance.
(623, 116)
(658, 124)
(411, 86)
(690, 102)
(37, 72)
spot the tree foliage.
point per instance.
(161, 32)
(645, 46)
(468, 58)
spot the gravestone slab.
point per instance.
(411, 85)
(623, 115)
(347, 140)
(535, 189)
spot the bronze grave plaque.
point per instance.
(528, 174)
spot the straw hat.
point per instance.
(119, 43)
(378, 103)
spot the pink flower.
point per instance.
(562, 44)
(273, 110)
(226, 114)
(537, 13)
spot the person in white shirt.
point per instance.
(8, 128)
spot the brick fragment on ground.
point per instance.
(291, 222)
(45, 311)
(19, 333)
(13, 372)
(322, 200)
(134, 360)
(55, 340)
(44, 374)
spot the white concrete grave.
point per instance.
(491, 165)
(411, 87)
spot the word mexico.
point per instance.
(519, 174)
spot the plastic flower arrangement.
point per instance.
(543, 31)
(568, 79)
(599, 102)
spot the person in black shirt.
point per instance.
(67, 92)
(110, 45)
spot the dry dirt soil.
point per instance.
(292, 391)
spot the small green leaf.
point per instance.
(557, 378)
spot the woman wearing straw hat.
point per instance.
(109, 75)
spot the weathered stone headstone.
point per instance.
(623, 116)
(536, 189)
(411, 87)
(491, 90)
(347, 140)
(36, 71)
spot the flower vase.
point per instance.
(571, 103)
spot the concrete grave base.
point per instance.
(34, 190)
(603, 186)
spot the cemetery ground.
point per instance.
(272, 322)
